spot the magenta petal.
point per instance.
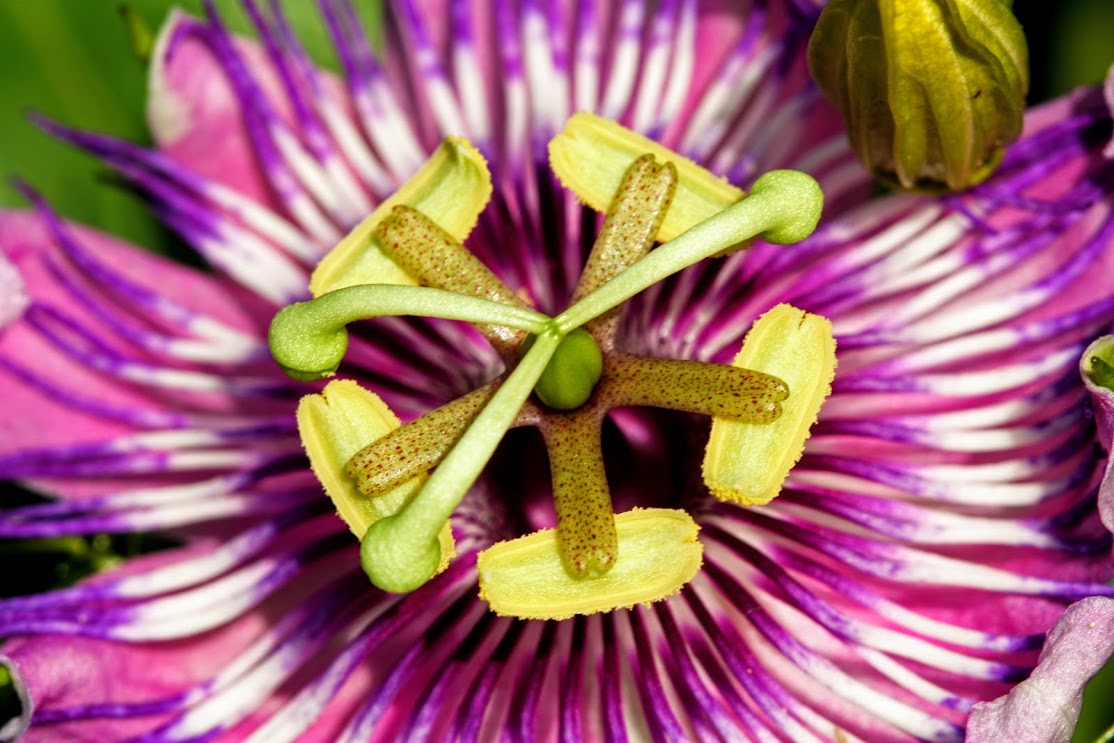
(13, 293)
(34, 417)
(1045, 708)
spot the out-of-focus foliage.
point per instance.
(73, 60)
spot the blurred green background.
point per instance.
(73, 60)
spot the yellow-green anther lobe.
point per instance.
(417, 446)
(586, 534)
(632, 222)
(572, 373)
(931, 91)
(435, 258)
(694, 387)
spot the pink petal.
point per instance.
(1045, 708)
(33, 419)
(194, 113)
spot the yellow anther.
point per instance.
(747, 463)
(658, 554)
(452, 188)
(591, 155)
(334, 425)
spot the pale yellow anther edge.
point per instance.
(591, 154)
(451, 188)
(335, 424)
(658, 554)
(748, 462)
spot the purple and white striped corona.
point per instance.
(947, 509)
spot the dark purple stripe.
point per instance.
(855, 590)
(699, 644)
(101, 621)
(276, 46)
(258, 116)
(149, 419)
(762, 688)
(572, 683)
(482, 696)
(883, 560)
(251, 506)
(244, 545)
(103, 274)
(662, 722)
(527, 693)
(306, 619)
(386, 696)
(778, 636)
(610, 667)
(1087, 128)
(440, 699)
(13, 464)
(705, 711)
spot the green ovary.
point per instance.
(572, 373)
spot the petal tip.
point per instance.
(14, 298)
(168, 113)
(13, 728)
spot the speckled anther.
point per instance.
(632, 223)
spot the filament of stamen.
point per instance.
(632, 223)
(586, 536)
(437, 259)
(694, 387)
(401, 552)
(416, 447)
(309, 339)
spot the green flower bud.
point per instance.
(931, 91)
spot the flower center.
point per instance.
(416, 474)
